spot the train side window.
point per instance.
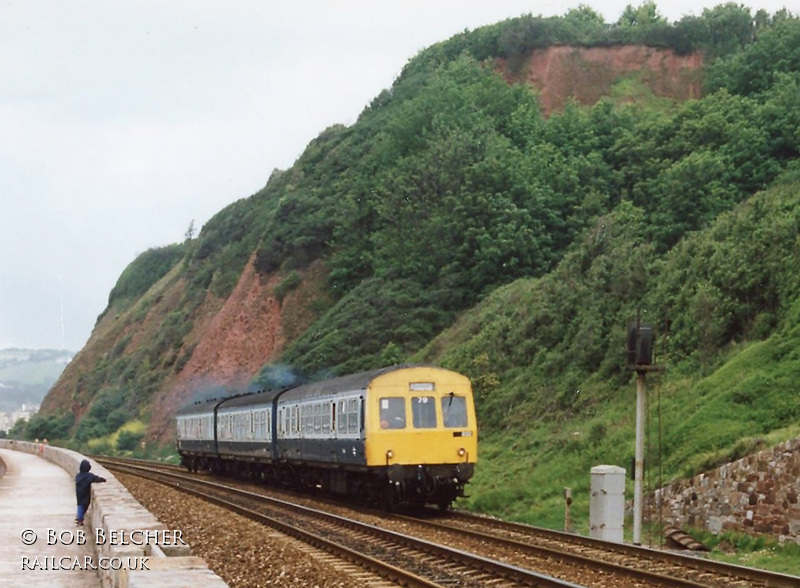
(423, 412)
(393, 412)
(454, 411)
(317, 418)
(352, 416)
(326, 417)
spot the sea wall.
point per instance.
(115, 509)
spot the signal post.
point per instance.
(639, 358)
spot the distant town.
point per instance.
(25, 412)
(26, 375)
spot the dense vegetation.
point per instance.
(462, 226)
(546, 354)
(453, 184)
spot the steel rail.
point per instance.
(755, 576)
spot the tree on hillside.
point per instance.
(645, 14)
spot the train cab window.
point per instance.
(393, 413)
(454, 411)
(423, 412)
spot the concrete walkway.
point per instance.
(37, 498)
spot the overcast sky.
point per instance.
(123, 122)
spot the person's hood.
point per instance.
(85, 465)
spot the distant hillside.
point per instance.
(26, 375)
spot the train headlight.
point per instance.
(461, 452)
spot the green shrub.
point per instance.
(129, 440)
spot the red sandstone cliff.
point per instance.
(588, 74)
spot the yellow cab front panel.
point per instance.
(420, 415)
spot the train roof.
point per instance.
(208, 406)
(353, 382)
(261, 397)
(325, 388)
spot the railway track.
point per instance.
(580, 560)
(399, 558)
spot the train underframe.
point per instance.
(394, 487)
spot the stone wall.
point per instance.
(757, 494)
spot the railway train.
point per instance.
(401, 436)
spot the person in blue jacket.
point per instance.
(83, 489)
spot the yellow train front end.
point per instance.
(421, 430)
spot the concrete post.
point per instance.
(607, 504)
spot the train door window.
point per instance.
(454, 411)
(393, 412)
(341, 420)
(423, 412)
(329, 417)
